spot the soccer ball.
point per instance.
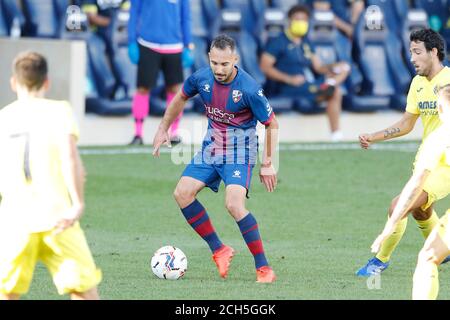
(169, 262)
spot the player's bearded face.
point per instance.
(420, 58)
(222, 64)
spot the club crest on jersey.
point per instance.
(206, 88)
(237, 95)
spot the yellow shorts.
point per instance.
(66, 255)
(438, 183)
(444, 228)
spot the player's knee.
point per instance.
(233, 207)
(183, 195)
(427, 255)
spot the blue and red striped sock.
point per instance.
(198, 218)
(250, 232)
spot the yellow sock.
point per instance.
(391, 243)
(426, 226)
(425, 281)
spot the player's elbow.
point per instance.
(407, 128)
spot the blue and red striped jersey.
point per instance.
(233, 110)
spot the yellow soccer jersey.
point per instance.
(435, 149)
(422, 99)
(34, 194)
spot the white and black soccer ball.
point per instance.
(169, 262)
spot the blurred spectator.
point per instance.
(346, 13)
(287, 61)
(100, 14)
(159, 37)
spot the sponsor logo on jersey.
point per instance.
(218, 114)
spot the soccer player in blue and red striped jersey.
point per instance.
(234, 102)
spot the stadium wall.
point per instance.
(67, 69)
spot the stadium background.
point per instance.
(332, 198)
(101, 89)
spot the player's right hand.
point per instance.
(161, 137)
(69, 218)
(268, 177)
(365, 140)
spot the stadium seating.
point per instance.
(415, 19)
(438, 16)
(434, 8)
(203, 14)
(42, 19)
(379, 57)
(389, 10)
(332, 46)
(230, 22)
(9, 12)
(100, 81)
(323, 36)
(285, 5)
(4, 32)
(252, 14)
(370, 86)
(401, 8)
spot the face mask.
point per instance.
(299, 28)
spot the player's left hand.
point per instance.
(69, 218)
(387, 232)
(268, 177)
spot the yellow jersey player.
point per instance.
(41, 187)
(435, 153)
(427, 53)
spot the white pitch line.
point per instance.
(398, 147)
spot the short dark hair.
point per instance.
(222, 42)
(30, 70)
(431, 39)
(298, 8)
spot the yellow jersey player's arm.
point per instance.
(433, 149)
(401, 127)
(398, 129)
(74, 178)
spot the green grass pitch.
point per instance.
(317, 228)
